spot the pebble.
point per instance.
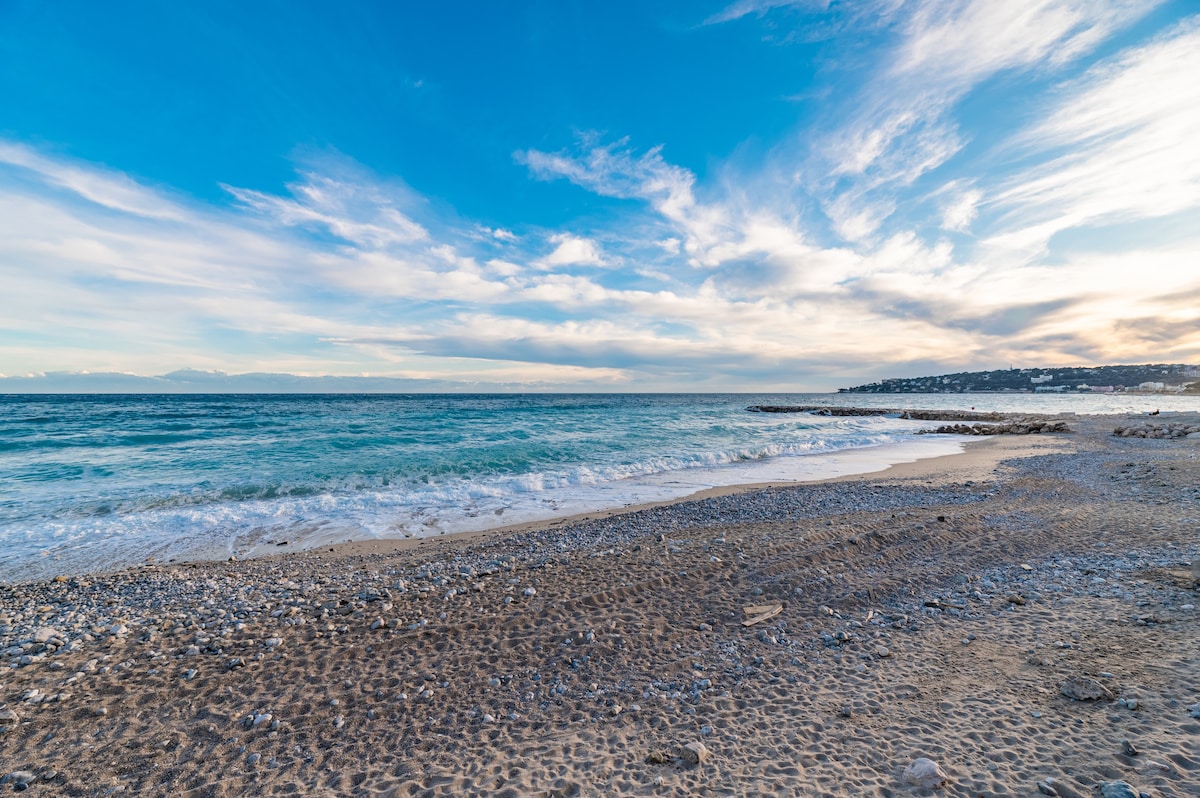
(925, 773)
(253, 759)
(1084, 688)
(1117, 789)
(8, 719)
(694, 753)
(19, 777)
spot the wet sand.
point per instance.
(935, 610)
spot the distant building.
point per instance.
(1041, 379)
(1050, 389)
(1151, 386)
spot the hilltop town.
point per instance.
(1147, 378)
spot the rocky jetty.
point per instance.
(1024, 427)
(1160, 431)
(916, 415)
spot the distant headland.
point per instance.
(1147, 378)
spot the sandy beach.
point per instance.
(942, 609)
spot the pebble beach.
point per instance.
(1019, 619)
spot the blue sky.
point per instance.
(757, 195)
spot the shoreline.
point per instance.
(934, 609)
(970, 460)
(813, 467)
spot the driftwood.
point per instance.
(757, 613)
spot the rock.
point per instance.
(658, 758)
(925, 773)
(45, 634)
(1085, 688)
(19, 777)
(1058, 787)
(8, 720)
(1129, 749)
(1117, 789)
(1015, 598)
(882, 652)
(253, 759)
(1194, 710)
(694, 753)
(1196, 565)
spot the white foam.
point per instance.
(255, 527)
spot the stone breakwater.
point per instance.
(1025, 427)
(1159, 430)
(1002, 424)
(916, 415)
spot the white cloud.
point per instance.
(572, 250)
(359, 213)
(959, 42)
(961, 210)
(901, 126)
(1121, 146)
(107, 189)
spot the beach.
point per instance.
(939, 609)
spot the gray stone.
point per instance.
(1059, 787)
(45, 634)
(19, 777)
(1085, 688)
(694, 753)
(925, 773)
(1117, 789)
(8, 719)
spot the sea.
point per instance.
(97, 482)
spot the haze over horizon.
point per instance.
(702, 196)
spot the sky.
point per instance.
(758, 195)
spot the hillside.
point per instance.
(1148, 377)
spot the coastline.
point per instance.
(931, 609)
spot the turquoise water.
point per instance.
(95, 482)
